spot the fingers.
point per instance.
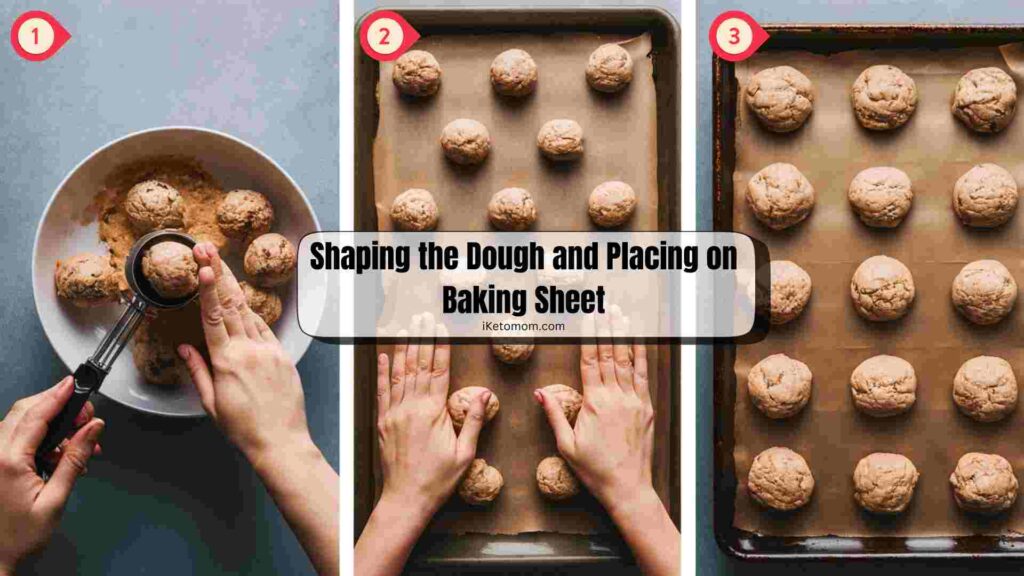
(73, 461)
(398, 369)
(466, 447)
(213, 317)
(564, 435)
(412, 355)
(605, 353)
(84, 415)
(425, 357)
(589, 372)
(640, 381)
(31, 429)
(232, 299)
(621, 350)
(440, 377)
(383, 390)
(265, 333)
(200, 376)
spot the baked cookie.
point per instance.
(514, 73)
(883, 386)
(780, 196)
(561, 140)
(611, 204)
(883, 97)
(415, 210)
(985, 99)
(466, 142)
(417, 73)
(791, 290)
(984, 291)
(882, 289)
(985, 388)
(884, 483)
(781, 98)
(779, 386)
(985, 196)
(881, 196)
(610, 68)
(512, 210)
(780, 479)
(983, 483)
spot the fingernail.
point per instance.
(538, 396)
(63, 382)
(382, 359)
(95, 432)
(183, 352)
(486, 396)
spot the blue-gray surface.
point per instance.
(167, 497)
(710, 558)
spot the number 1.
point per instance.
(35, 36)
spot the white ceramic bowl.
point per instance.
(74, 332)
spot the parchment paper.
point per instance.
(620, 143)
(934, 149)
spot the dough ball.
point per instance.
(512, 352)
(882, 289)
(154, 205)
(556, 480)
(86, 280)
(883, 386)
(883, 97)
(414, 210)
(881, 196)
(460, 401)
(265, 303)
(983, 483)
(158, 360)
(779, 386)
(244, 214)
(791, 289)
(984, 291)
(417, 73)
(985, 388)
(270, 260)
(985, 99)
(780, 196)
(780, 479)
(985, 196)
(782, 98)
(512, 210)
(611, 204)
(561, 140)
(610, 68)
(481, 484)
(466, 142)
(568, 398)
(884, 483)
(514, 73)
(171, 269)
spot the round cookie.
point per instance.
(882, 289)
(609, 68)
(561, 140)
(983, 483)
(265, 303)
(514, 73)
(780, 196)
(466, 142)
(555, 479)
(884, 483)
(780, 479)
(779, 386)
(270, 260)
(417, 73)
(791, 290)
(460, 401)
(985, 196)
(481, 484)
(985, 388)
(511, 352)
(611, 204)
(414, 210)
(984, 292)
(985, 99)
(883, 386)
(883, 97)
(86, 280)
(568, 398)
(244, 214)
(782, 98)
(512, 210)
(171, 269)
(154, 205)
(881, 196)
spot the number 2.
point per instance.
(384, 34)
(734, 35)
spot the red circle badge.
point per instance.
(735, 36)
(37, 35)
(385, 35)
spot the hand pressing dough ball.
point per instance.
(512, 210)
(568, 398)
(86, 280)
(466, 142)
(556, 480)
(881, 196)
(985, 99)
(171, 269)
(270, 260)
(154, 205)
(983, 483)
(561, 140)
(511, 352)
(611, 204)
(882, 289)
(883, 97)
(414, 210)
(779, 386)
(461, 400)
(265, 303)
(782, 98)
(791, 289)
(780, 196)
(883, 386)
(884, 483)
(417, 73)
(481, 484)
(984, 292)
(985, 388)
(610, 68)
(985, 196)
(780, 479)
(244, 214)
(514, 73)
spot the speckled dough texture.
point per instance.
(985, 196)
(154, 205)
(245, 214)
(985, 388)
(265, 303)
(417, 73)
(86, 280)
(512, 352)
(780, 196)
(780, 479)
(779, 386)
(882, 289)
(884, 483)
(466, 142)
(611, 204)
(556, 480)
(883, 386)
(460, 401)
(609, 68)
(781, 98)
(568, 398)
(561, 140)
(883, 97)
(881, 196)
(984, 292)
(171, 269)
(985, 99)
(481, 484)
(415, 211)
(514, 73)
(983, 483)
(791, 290)
(512, 210)
(270, 260)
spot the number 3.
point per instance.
(734, 35)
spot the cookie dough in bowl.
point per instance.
(984, 292)
(244, 214)
(86, 280)
(780, 196)
(154, 205)
(884, 483)
(883, 386)
(611, 204)
(555, 480)
(460, 401)
(881, 196)
(882, 289)
(985, 99)
(883, 97)
(983, 483)
(514, 73)
(561, 140)
(481, 484)
(985, 196)
(265, 303)
(780, 479)
(171, 269)
(416, 73)
(985, 388)
(782, 98)
(791, 290)
(779, 386)
(512, 210)
(466, 142)
(415, 210)
(270, 260)
(609, 68)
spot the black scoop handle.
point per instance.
(88, 378)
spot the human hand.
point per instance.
(29, 507)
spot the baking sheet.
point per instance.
(620, 142)
(934, 149)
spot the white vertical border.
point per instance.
(346, 221)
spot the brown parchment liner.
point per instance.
(934, 149)
(620, 143)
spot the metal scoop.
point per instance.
(90, 374)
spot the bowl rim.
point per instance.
(103, 148)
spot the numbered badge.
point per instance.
(735, 36)
(37, 35)
(385, 35)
